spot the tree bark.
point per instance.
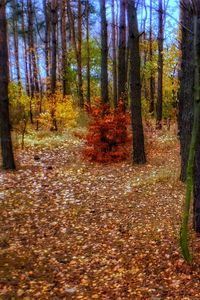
(152, 80)
(104, 53)
(47, 38)
(135, 85)
(32, 46)
(77, 47)
(186, 93)
(193, 143)
(114, 56)
(16, 42)
(87, 8)
(65, 66)
(122, 52)
(6, 142)
(25, 50)
(160, 67)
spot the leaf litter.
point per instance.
(72, 229)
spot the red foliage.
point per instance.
(107, 138)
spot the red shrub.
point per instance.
(107, 138)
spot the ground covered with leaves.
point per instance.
(72, 229)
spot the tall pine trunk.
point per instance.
(104, 53)
(122, 52)
(65, 66)
(186, 77)
(47, 38)
(159, 104)
(135, 85)
(16, 41)
(77, 47)
(87, 9)
(25, 50)
(6, 142)
(152, 79)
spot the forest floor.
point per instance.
(72, 229)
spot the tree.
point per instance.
(25, 50)
(47, 37)
(152, 80)
(87, 9)
(6, 142)
(122, 52)
(54, 20)
(15, 37)
(77, 44)
(193, 169)
(186, 77)
(65, 65)
(135, 85)
(114, 55)
(104, 53)
(160, 66)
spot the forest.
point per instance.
(100, 149)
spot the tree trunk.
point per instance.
(65, 66)
(25, 50)
(152, 80)
(47, 38)
(193, 143)
(160, 67)
(186, 94)
(32, 45)
(87, 8)
(77, 48)
(6, 142)
(104, 53)
(196, 183)
(54, 20)
(16, 42)
(114, 55)
(122, 53)
(135, 85)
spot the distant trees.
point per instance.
(6, 143)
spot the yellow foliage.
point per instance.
(60, 108)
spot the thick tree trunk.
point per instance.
(193, 143)
(135, 85)
(186, 93)
(122, 52)
(104, 53)
(6, 143)
(160, 67)
(196, 183)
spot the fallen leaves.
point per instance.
(80, 230)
